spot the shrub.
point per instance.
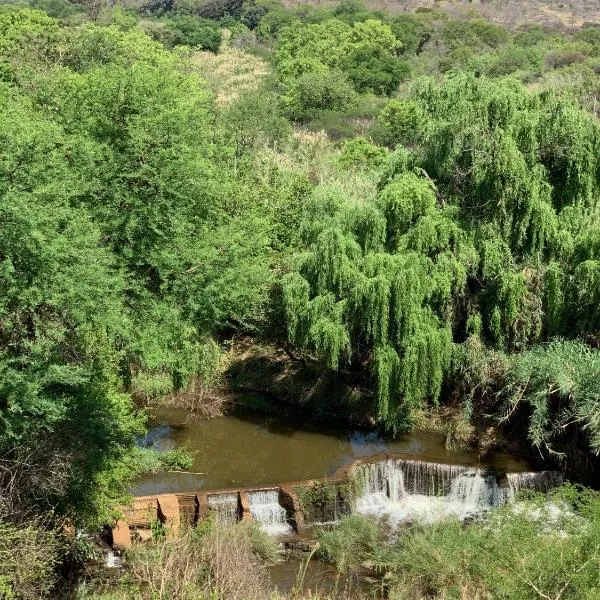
(477, 34)
(320, 91)
(350, 543)
(412, 32)
(400, 122)
(373, 69)
(28, 557)
(359, 152)
(59, 9)
(183, 30)
(352, 11)
(252, 13)
(509, 61)
(563, 58)
(589, 35)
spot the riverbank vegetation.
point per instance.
(540, 548)
(406, 206)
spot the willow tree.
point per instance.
(371, 276)
(487, 227)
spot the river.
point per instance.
(247, 449)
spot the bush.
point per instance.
(412, 32)
(255, 118)
(511, 60)
(28, 557)
(373, 69)
(589, 35)
(352, 11)
(477, 34)
(59, 9)
(312, 92)
(461, 58)
(563, 58)
(183, 30)
(359, 152)
(350, 543)
(400, 122)
(252, 14)
(149, 460)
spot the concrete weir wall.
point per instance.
(188, 508)
(178, 510)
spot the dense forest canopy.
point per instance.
(411, 199)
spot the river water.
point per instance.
(248, 449)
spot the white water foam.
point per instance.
(225, 506)
(541, 481)
(405, 492)
(266, 510)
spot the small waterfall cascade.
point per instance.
(266, 510)
(473, 492)
(112, 561)
(225, 506)
(406, 491)
(397, 478)
(542, 481)
(333, 511)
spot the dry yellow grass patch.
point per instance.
(230, 73)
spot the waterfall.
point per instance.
(542, 481)
(225, 506)
(265, 508)
(396, 478)
(406, 491)
(473, 492)
(384, 478)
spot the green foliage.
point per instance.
(118, 253)
(351, 289)
(412, 31)
(479, 230)
(517, 554)
(312, 92)
(184, 30)
(149, 460)
(364, 52)
(350, 543)
(255, 119)
(59, 9)
(559, 384)
(359, 152)
(476, 33)
(401, 122)
(323, 502)
(29, 555)
(372, 69)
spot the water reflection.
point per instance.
(249, 449)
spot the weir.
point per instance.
(406, 491)
(224, 506)
(266, 510)
(397, 489)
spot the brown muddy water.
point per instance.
(250, 449)
(320, 578)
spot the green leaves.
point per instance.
(319, 64)
(351, 300)
(120, 251)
